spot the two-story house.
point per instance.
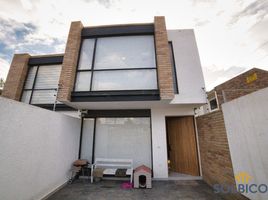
(136, 85)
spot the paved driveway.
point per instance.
(108, 189)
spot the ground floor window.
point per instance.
(87, 139)
(120, 138)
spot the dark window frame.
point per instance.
(92, 69)
(54, 59)
(94, 114)
(32, 89)
(114, 30)
(174, 71)
(216, 104)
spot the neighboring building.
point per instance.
(243, 84)
(134, 84)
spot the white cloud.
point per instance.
(229, 33)
(27, 4)
(4, 66)
(215, 75)
(257, 8)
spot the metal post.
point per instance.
(55, 102)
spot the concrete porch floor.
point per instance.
(108, 189)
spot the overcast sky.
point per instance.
(232, 35)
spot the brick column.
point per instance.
(67, 76)
(164, 66)
(16, 77)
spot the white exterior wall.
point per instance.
(247, 131)
(202, 110)
(189, 73)
(75, 113)
(38, 147)
(159, 138)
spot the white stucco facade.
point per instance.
(159, 137)
(189, 74)
(191, 88)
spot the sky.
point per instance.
(231, 35)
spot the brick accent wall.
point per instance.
(238, 86)
(214, 152)
(164, 67)
(67, 77)
(16, 77)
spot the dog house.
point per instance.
(143, 177)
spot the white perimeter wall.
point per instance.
(159, 139)
(188, 67)
(74, 113)
(37, 148)
(246, 121)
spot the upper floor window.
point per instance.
(117, 63)
(41, 84)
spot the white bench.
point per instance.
(111, 165)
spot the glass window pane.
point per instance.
(86, 54)
(87, 139)
(48, 77)
(30, 78)
(83, 81)
(125, 80)
(213, 104)
(26, 96)
(125, 52)
(175, 82)
(124, 138)
(43, 97)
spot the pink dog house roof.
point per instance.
(143, 168)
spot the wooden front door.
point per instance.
(182, 148)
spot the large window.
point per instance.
(117, 63)
(87, 139)
(124, 138)
(41, 84)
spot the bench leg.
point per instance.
(91, 177)
(131, 176)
